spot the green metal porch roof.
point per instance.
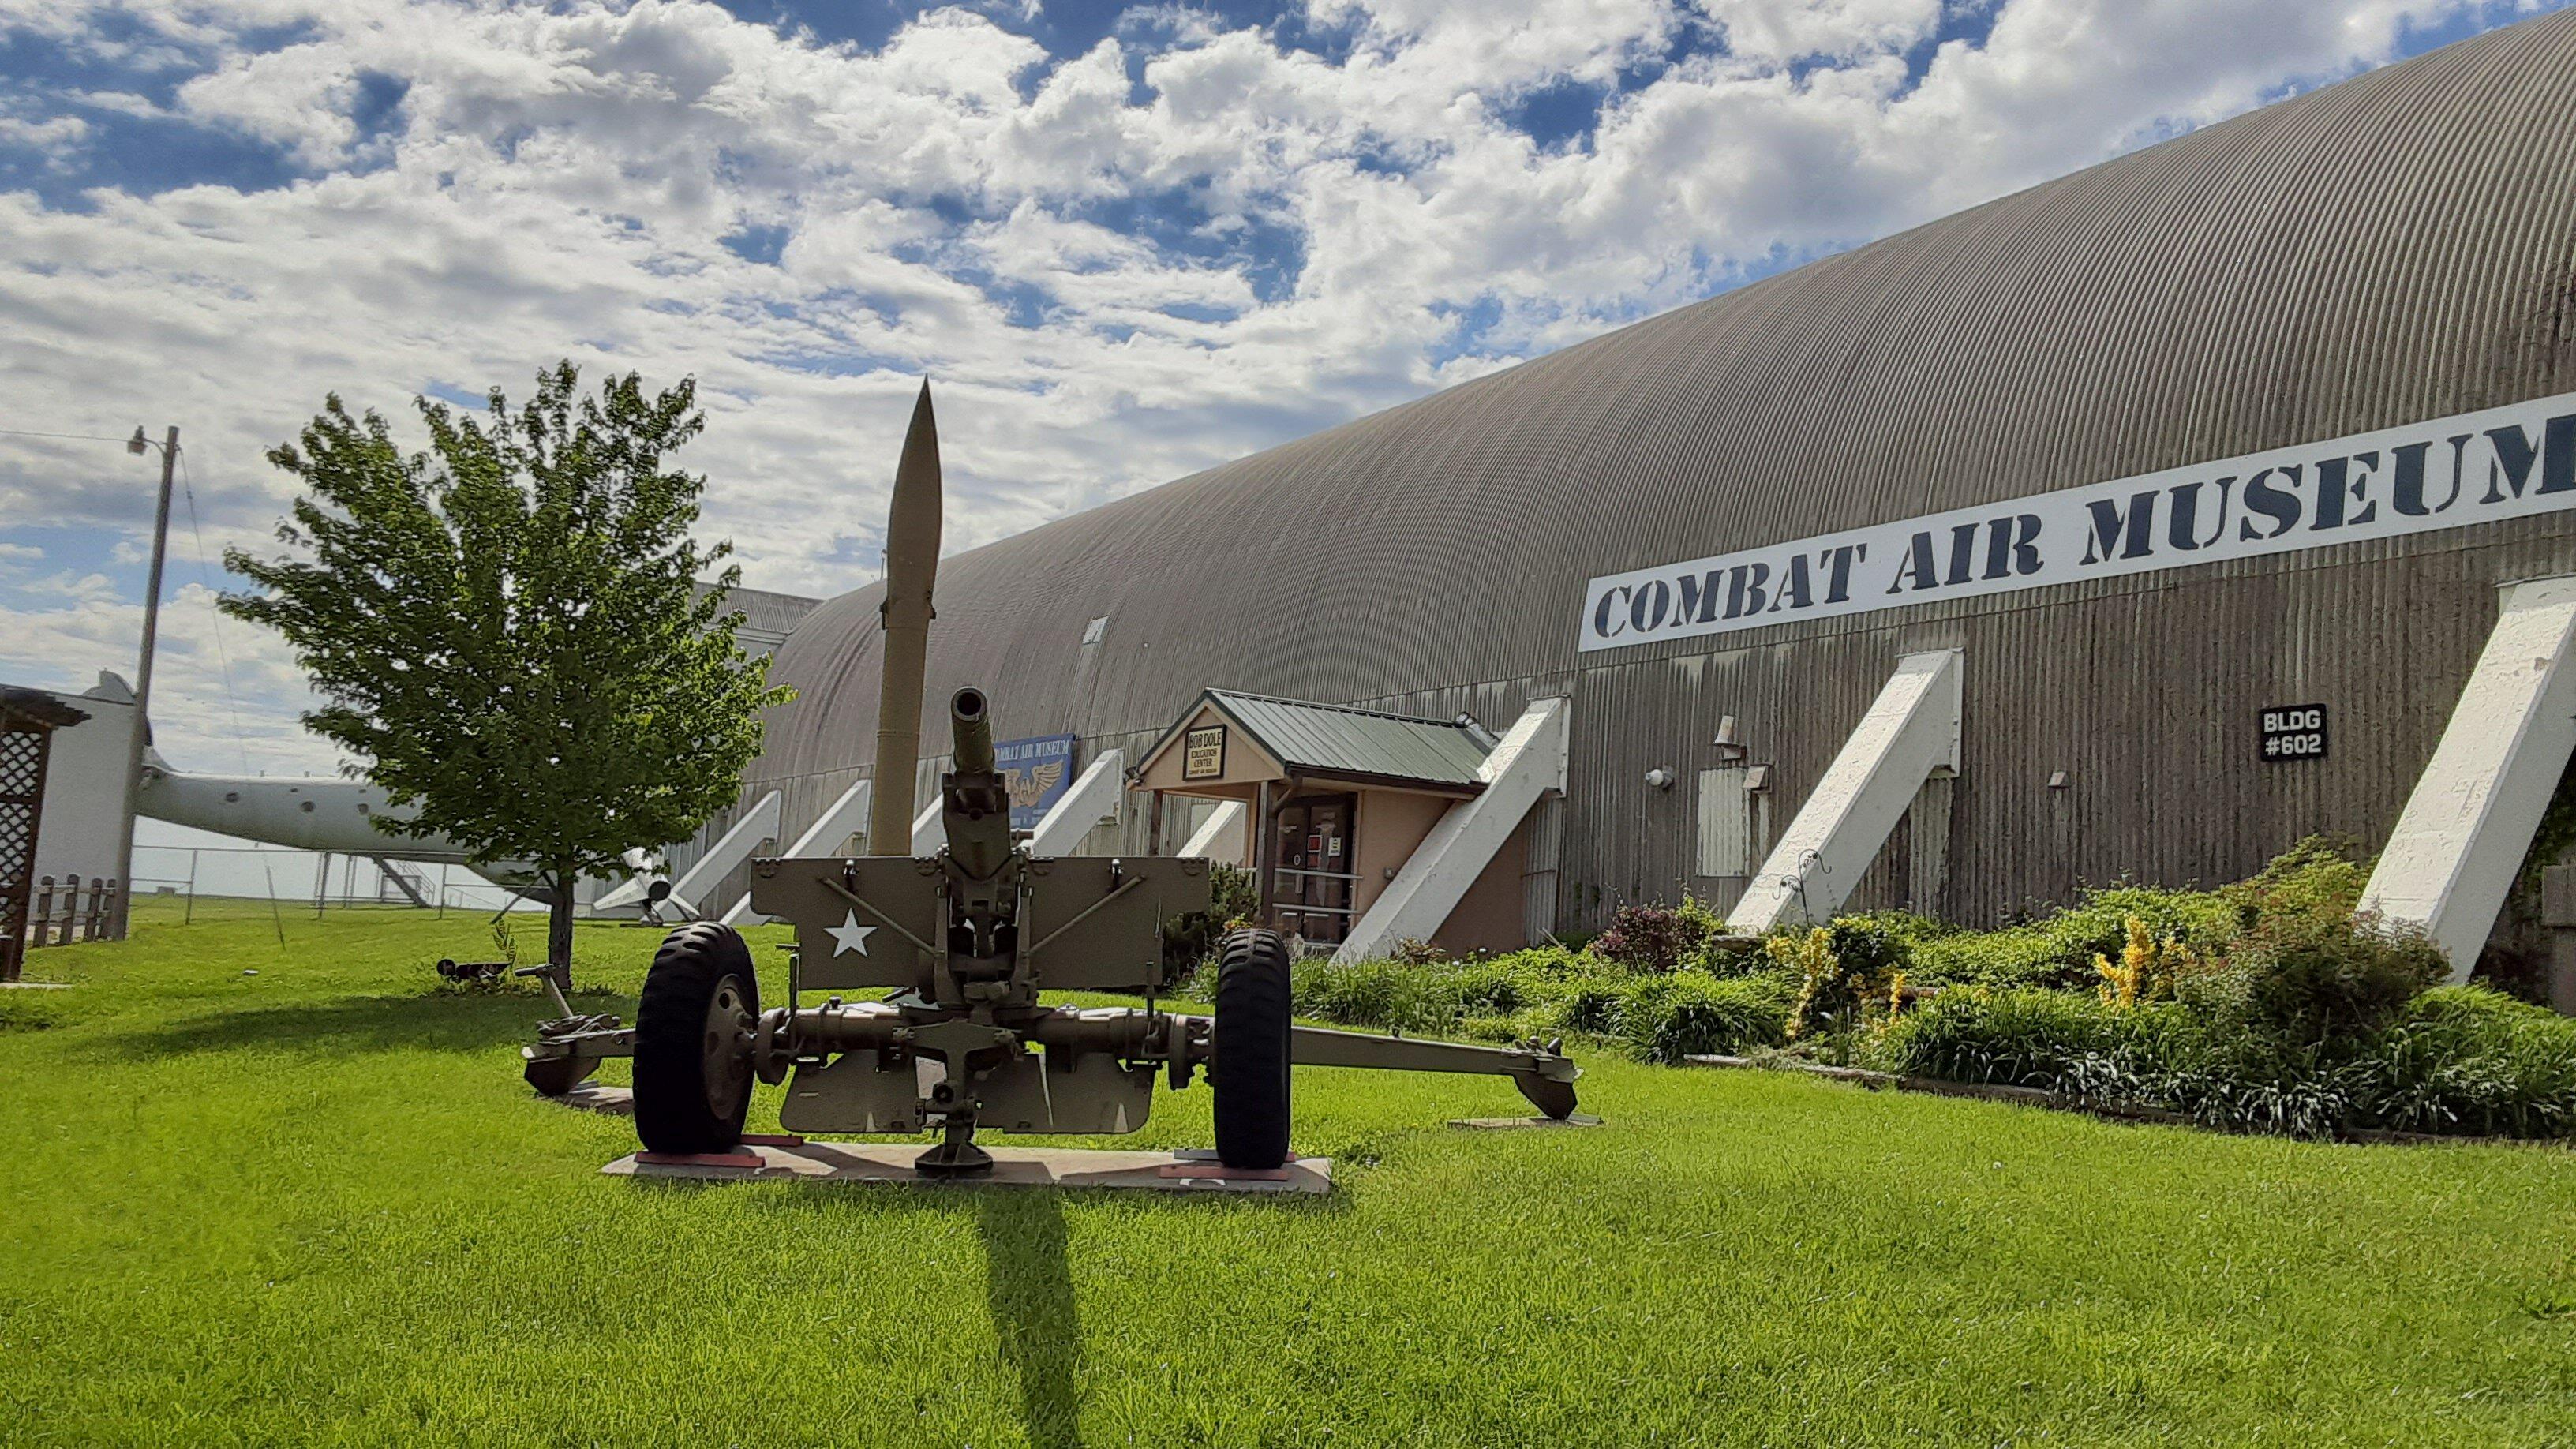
(1334, 739)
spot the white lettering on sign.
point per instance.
(2294, 732)
(2507, 462)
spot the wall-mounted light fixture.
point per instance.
(2057, 779)
(1729, 743)
(1660, 778)
(1757, 779)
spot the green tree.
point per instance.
(504, 627)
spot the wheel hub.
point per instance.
(725, 1049)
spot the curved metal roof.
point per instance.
(2398, 246)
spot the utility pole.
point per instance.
(143, 675)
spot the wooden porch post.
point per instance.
(1265, 849)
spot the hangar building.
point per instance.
(2136, 524)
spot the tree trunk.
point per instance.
(559, 927)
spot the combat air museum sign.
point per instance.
(2506, 462)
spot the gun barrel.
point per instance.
(977, 807)
(971, 717)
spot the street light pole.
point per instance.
(143, 676)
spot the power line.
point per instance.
(232, 696)
(75, 437)
(223, 657)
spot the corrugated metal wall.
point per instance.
(2396, 247)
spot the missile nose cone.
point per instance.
(920, 441)
(912, 527)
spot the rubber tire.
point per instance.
(672, 1113)
(1248, 1070)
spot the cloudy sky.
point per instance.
(1129, 242)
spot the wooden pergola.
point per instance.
(28, 719)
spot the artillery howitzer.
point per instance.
(966, 940)
(955, 948)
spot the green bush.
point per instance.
(2020, 1036)
(1190, 941)
(2319, 879)
(1589, 1005)
(1691, 1013)
(2468, 1059)
(2313, 978)
(2015, 956)
(2459, 1059)
(1650, 937)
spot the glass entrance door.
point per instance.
(1314, 871)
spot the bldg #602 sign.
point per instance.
(2506, 462)
(2294, 732)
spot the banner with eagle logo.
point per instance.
(1036, 773)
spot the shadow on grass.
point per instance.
(1029, 1289)
(1028, 1284)
(439, 1023)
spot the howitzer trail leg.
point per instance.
(1543, 1075)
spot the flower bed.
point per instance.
(2269, 1005)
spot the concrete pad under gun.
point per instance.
(1187, 1171)
(1505, 1124)
(594, 1097)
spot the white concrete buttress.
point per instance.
(841, 818)
(2462, 836)
(1910, 733)
(757, 827)
(1529, 762)
(1093, 795)
(928, 835)
(1221, 838)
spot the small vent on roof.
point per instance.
(1092, 631)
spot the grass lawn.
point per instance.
(317, 1203)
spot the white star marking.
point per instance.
(849, 935)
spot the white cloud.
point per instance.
(85, 588)
(564, 180)
(1765, 30)
(123, 103)
(224, 696)
(58, 137)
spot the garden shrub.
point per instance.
(1657, 938)
(2312, 978)
(2015, 956)
(1547, 963)
(1590, 1005)
(1843, 971)
(2470, 1059)
(1869, 947)
(2019, 1036)
(1489, 987)
(2149, 969)
(2460, 1059)
(1691, 1013)
(2319, 879)
(1377, 993)
(1190, 941)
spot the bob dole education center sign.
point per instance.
(2507, 462)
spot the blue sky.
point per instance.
(1129, 241)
